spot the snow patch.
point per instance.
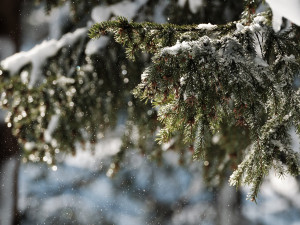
(105, 147)
(193, 4)
(286, 186)
(51, 127)
(127, 9)
(93, 46)
(239, 27)
(101, 13)
(284, 8)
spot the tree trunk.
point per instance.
(10, 11)
(229, 206)
(9, 189)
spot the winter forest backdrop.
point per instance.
(87, 152)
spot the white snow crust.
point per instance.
(207, 26)
(39, 54)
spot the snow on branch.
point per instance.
(38, 55)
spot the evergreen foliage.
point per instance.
(215, 75)
(225, 91)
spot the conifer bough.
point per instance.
(225, 92)
(204, 76)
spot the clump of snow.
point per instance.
(259, 61)
(259, 19)
(239, 27)
(182, 80)
(166, 146)
(283, 8)
(194, 4)
(190, 47)
(145, 74)
(93, 46)
(127, 9)
(37, 55)
(255, 26)
(206, 26)
(173, 50)
(24, 76)
(290, 58)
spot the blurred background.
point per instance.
(80, 189)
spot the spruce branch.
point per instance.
(150, 37)
(209, 85)
(216, 77)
